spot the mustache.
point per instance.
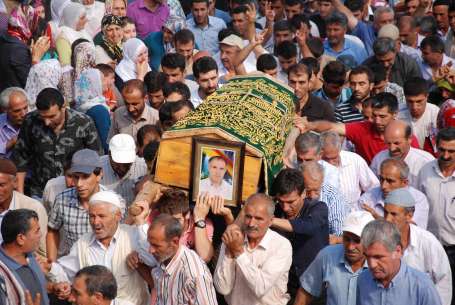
(251, 228)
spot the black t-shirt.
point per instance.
(316, 18)
(317, 109)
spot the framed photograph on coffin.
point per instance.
(217, 169)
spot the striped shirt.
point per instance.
(185, 280)
(346, 112)
(337, 205)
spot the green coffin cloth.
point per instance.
(253, 109)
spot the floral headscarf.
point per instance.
(88, 90)
(83, 58)
(45, 74)
(113, 51)
(22, 22)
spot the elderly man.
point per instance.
(22, 234)
(391, 31)
(398, 137)
(108, 245)
(13, 200)
(421, 250)
(68, 216)
(95, 285)
(14, 104)
(253, 268)
(215, 185)
(122, 168)
(340, 279)
(394, 174)
(388, 278)
(354, 174)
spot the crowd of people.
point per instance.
(362, 212)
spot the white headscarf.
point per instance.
(57, 7)
(126, 69)
(94, 13)
(70, 17)
(88, 90)
(45, 74)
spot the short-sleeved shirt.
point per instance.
(331, 270)
(357, 51)
(145, 20)
(207, 38)
(317, 109)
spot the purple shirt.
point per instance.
(7, 132)
(147, 21)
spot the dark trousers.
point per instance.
(450, 250)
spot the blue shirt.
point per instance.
(155, 45)
(207, 38)
(218, 13)
(349, 48)
(7, 132)
(330, 269)
(366, 33)
(409, 286)
(33, 265)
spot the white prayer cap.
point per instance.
(108, 197)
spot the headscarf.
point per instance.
(70, 17)
(57, 7)
(45, 74)
(173, 24)
(22, 22)
(84, 58)
(113, 51)
(88, 90)
(126, 69)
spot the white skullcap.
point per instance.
(108, 197)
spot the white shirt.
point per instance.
(415, 159)
(374, 199)
(425, 253)
(249, 64)
(258, 276)
(196, 100)
(53, 187)
(224, 190)
(426, 69)
(423, 126)
(355, 177)
(331, 173)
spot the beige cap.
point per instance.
(233, 40)
(389, 31)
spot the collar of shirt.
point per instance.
(174, 264)
(94, 241)
(143, 6)
(348, 267)
(438, 171)
(5, 123)
(412, 237)
(264, 243)
(10, 262)
(205, 27)
(396, 279)
(329, 47)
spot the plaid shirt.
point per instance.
(69, 215)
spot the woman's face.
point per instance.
(167, 35)
(113, 33)
(143, 55)
(80, 25)
(129, 31)
(107, 81)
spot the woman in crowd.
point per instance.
(110, 51)
(134, 64)
(57, 7)
(94, 12)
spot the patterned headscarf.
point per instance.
(22, 22)
(45, 74)
(83, 58)
(113, 51)
(88, 90)
(175, 24)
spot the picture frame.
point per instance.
(217, 168)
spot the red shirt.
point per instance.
(367, 140)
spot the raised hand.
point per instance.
(202, 207)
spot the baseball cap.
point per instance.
(389, 31)
(85, 161)
(356, 221)
(123, 148)
(400, 197)
(233, 40)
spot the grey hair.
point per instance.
(383, 45)
(114, 207)
(382, 10)
(399, 164)
(263, 199)
(330, 138)
(383, 232)
(6, 94)
(172, 226)
(313, 168)
(307, 141)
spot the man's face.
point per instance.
(156, 99)
(382, 263)
(217, 170)
(417, 105)
(208, 82)
(278, 7)
(358, 15)
(174, 75)
(257, 220)
(7, 185)
(390, 179)
(379, 87)
(168, 36)
(387, 60)
(108, 81)
(291, 203)
(32, 237)
(185, 49)
(397, 143)
(103, 220)
(299, 82)
(312, 186)
(383, 19)
(430, 57)
(381, 118)
(79, 294)
(407, 34)
(121, 169)
(53, 117)
(441, 14)
(162, 249)
(397, 215)
(129, 31)
(281, 36)
(335, 34)
(239, 23)
(325, 8)
(411, 7)
(452, 20)
(86, 184)
(227, 55)
(292, 10)
(118, 8)
(286, 63)
(308, 155)
(134, 103)
(272, 72)
(17, 109)
(353, 250)
(446, 151)
(367, 112)
(200, 12)
(174, 97)
(331, 154)
(360, 86)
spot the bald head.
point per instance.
(398, 137)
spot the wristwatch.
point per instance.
(200, 223)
